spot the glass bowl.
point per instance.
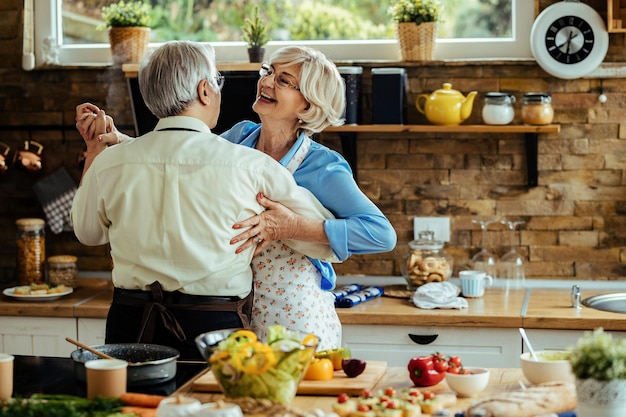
(246, 367)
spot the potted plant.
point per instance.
(416, 26)
(255, 34)
(129, 29)
(599, 365)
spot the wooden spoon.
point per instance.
(88, 348)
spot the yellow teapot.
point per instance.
(446, 106)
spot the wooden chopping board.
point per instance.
(374, 371)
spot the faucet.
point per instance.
(575, 297)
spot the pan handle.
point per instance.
(88, 348)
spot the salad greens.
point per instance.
(246, 367)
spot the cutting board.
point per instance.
(374, 371)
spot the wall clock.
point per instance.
(569, 39)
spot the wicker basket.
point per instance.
(128, 44)
(417, 42)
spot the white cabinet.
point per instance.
(485, 347)
(549, 339)
(40, 336)
(91, 331)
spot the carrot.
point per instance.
(137, 399)
(140, 411)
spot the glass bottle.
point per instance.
(426, 261)
(498, 109)
(537, 109)
(31, 251)
(62, 270)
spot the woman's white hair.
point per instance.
(321, 85)
(169, 76)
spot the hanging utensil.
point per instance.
(527, 342)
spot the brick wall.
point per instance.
(575, 218)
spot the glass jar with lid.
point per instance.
(62, 270)
(498, 109)
(537, 109)
(31, 251)
(426, 262)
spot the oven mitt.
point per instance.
(439, 295)
(55, 194)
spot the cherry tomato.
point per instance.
(441, 365)
(428, 395)
(455, 360)
(453, 369)
(320, 370)
(343, 398)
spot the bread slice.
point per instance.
(551, 397)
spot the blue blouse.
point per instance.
(360, 227)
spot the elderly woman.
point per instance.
(300, 92)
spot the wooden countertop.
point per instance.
(530, 308)
(501, 380)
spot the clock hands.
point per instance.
(568, 41)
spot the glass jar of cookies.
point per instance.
(31, 251)
(62, 270)
(426, 261)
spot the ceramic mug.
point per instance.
(106, 377)
(6, 376)
(473, 283)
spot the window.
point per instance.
(52, 44)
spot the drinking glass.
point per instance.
(485, 260)
(512, 262)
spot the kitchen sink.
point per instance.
(615, 302)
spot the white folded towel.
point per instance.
(439, 295)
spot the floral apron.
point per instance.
(287, 288)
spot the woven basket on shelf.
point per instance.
(417, 42)
(128, 44)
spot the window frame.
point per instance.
(517, 46)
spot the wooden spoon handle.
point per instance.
(88, 348)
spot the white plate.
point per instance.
(39, 297)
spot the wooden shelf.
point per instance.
(616, 16)
(444, 129)
(348, 135)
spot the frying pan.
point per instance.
(147, 364)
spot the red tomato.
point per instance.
(440, 364)
(428, 395)
(363, 407)
(455, 360)
(320, 370)
(390, 391)
(343, 398)
(453, 369)
(464, 371)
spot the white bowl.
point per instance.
(548, 368)
(468, 385)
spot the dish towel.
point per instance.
(439, 295)
(55, 194)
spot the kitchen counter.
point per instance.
(532, 308)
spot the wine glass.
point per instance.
(512, 262)
(484, 260)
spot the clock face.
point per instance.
(569, 39)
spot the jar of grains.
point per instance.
(537, 109)
(31, 251)
(62, 270)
